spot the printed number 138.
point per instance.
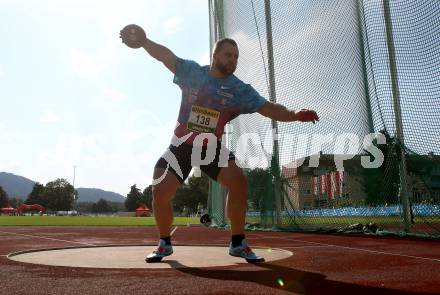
(202, 120)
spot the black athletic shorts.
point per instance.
(188, 157)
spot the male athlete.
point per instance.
(211, 97)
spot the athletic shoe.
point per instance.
(245, 252)
(161, 251)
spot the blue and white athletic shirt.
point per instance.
(209, 103)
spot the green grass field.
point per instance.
(183, 221)
(88, 221)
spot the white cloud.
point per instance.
(112, 162)
(111, 16)
(49, 117)
(205, 59)
(85, 65)
(73, 148)
(13, 142)
(173, 25)
(1, 71)
(115, 95)
(58, 158)
(10, 137)
(144, 130)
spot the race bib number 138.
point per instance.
(203, 119)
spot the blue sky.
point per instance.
(72, 94)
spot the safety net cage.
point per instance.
(370, 69)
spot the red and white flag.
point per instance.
(322, 184)
(339, 178)
(314, 185)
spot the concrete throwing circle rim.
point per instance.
(112, 256)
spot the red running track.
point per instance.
(321, 264)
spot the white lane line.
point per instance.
(46, 238)
(352, 248)
(300, 247)
(173, 231)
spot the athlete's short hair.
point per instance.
(219, 44)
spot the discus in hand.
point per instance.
(133, 36)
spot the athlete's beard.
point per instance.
(223, 68)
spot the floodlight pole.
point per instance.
(272, 98)
(73, 184)
(74, 173)
(398, 116)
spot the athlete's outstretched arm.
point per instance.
(134, 37)
(279, 112)
(161, 53)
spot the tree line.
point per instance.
(192, 195)
(5, 201)
(60, 195)
(57, 195)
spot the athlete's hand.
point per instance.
(305, 115)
